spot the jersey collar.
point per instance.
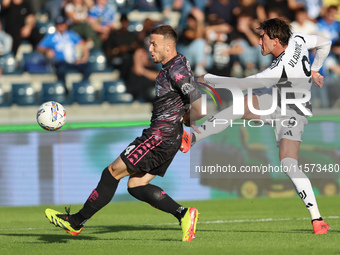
(167, 64)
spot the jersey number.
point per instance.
(129, 149)
(306, 66)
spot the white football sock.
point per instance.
(302, 185)
(216, 123)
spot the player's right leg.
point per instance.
(139, 187)
(100, 196)
(288, 156)
(217, 123)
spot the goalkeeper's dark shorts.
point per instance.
(150, 154)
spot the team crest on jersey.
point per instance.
(187, 88)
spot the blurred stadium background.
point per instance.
(39, 167)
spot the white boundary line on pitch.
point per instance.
(200, 222)
(247, 220)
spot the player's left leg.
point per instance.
(139, 187)
(100, 196)
(289, 160)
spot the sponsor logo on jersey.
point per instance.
(179, 77)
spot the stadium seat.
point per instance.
(85, 93)
(54, 91)
(147, 5)
(97, 61)
(9, 64)
(36, 63)
(122, 6)
(115, 92)
(46, 27)
(24, 94)
(5, 98)
(135, 26)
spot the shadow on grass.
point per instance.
(51, 238)
(120, 228)
(93, 233)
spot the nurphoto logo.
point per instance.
(238, 101)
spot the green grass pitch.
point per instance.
(229, 226)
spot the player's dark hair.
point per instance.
(277, 28)
(167, 31)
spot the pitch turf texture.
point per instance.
(230, 226)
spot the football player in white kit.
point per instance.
(289, 72)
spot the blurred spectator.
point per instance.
(286, 7)
(184, 7)
(6, 42)
(77, 12)
(102, 19)
(302, 23)
(221, 10)
(256, 10)
(120, 46)
(222, 55)
(327, 26)
(141, 81)
(221, 50)
(144, 35)
(191, 42)
(247, 38)
(314, 8)
(19, 22)
(332, 75)
(61, 46)
(37, 5)
(275, 12)
(54, 8)
(327, 3)
(332, 63)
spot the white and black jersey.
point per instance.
(291, 68)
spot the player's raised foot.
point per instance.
(62, 221)
(320, 227)
(188, 224)
(186, 142)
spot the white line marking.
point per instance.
(200, 222)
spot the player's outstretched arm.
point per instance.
(322, 46)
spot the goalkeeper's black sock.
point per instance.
(99, 197)
(157, 198)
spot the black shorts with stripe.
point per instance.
(149, 154)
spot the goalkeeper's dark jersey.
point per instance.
(175, 87)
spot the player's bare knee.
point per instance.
(118, 170)
(137, 180)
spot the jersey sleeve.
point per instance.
(322, 46)
(46, 42)
(92, 13)
(183, 82)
